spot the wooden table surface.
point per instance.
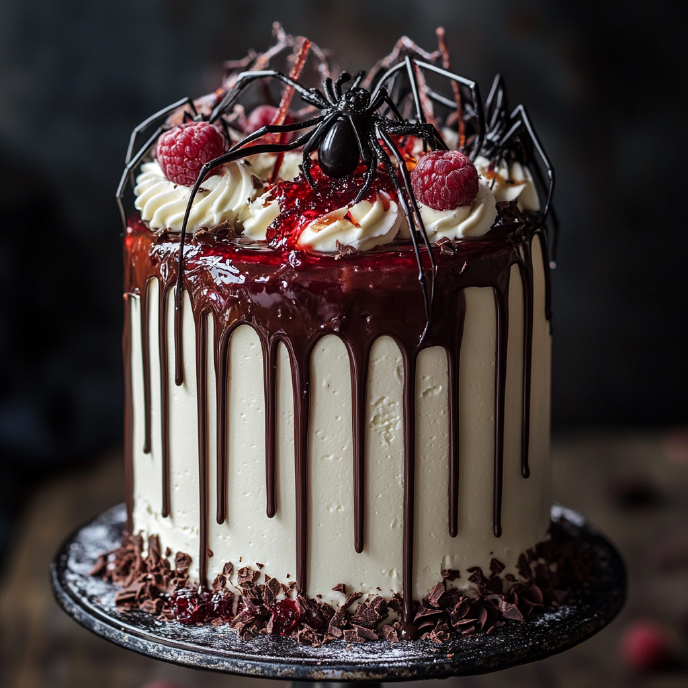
(634, 486)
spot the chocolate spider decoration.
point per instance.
(511, 136)
(347, 132)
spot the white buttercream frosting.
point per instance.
(261, 214)
(466, 221)
(263, 164)
(223, 197)
(510, 182)
(364, 225)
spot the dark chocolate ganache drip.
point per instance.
(295, 297)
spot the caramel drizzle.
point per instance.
(358, 342)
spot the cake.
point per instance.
(337, 418)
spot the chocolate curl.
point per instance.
(442, 43)
(300, 55)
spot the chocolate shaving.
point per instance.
(345, 250)
(150, 584)
(246, 576)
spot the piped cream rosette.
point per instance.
(222, 197)
(510, 182)
(466, 221)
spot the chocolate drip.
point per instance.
(300, 357)
(453, 363)
(359, 354)
(526, 269)
(270, 391)
(409, 479)
(128, 416)
(179, 339)
(221, 350)
(501, 297)
(145, 355)
(296, 298)
(163, 291)
(201, 322)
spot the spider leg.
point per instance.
(520, 111)
(495, 99)
(427, 299)
(358, 78)
(329, 91)
(149, 120)
(367, 158)
(475, 96)
(423, 130)
(341, 79)
(309, 95)
(276, 129)
(130, 167)
(231, 156)
(443, 100)
(409, 190)
(420, 115)
(383, 98)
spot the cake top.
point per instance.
(406, 155)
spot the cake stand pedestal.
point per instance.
(91, 603)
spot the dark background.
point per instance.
(605, 83)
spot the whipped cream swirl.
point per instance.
(363, 226)
(510, 182)
(465, 221)
(224, 197)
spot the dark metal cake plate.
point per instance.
(90, 602)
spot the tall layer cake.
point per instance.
(341, 382)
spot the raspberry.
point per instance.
(645, 646)
(262, 115)
(445, 180)
(182, 151)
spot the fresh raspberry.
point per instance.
(261, 116)
(445, 180)
(182, 151)
(645, 646)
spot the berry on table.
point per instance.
(182, 151)
(445, 180)
(645, 646)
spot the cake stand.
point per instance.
(90, 602)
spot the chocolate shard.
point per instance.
(99, 566)
(390, 633)
(182, 561)
(436, 595)
(350, 636)
(496, 566)
(365, 633)
(351, 599)
(370, 612)
(246, 577)
(510, 611)
(334, 631)
(345, 250)
(340, 587)
(396, 603)
(451, 574)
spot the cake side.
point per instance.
(247, 535)
(337, 353)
